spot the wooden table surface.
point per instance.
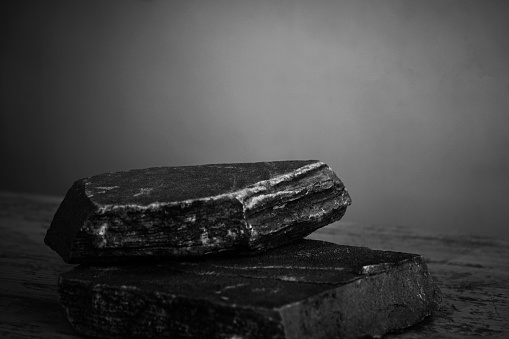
(472, 272)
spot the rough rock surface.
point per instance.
(307, 289)
(195, 210)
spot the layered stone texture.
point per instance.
(307, 289)
(195, 210)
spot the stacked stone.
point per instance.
(217, 251)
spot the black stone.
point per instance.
(308, 289)
(195, 210)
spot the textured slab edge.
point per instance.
(289, 206)
(369, 306)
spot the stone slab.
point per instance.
(195, 210)
(308, 289)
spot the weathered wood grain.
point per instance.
(472, 272)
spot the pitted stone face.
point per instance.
(195, 210)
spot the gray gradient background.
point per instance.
(408, 101)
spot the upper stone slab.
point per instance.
(195, 210)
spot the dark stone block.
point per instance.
(195, 210)
(308, 289)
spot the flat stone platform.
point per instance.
(309, 289)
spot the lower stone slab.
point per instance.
(309, 289)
